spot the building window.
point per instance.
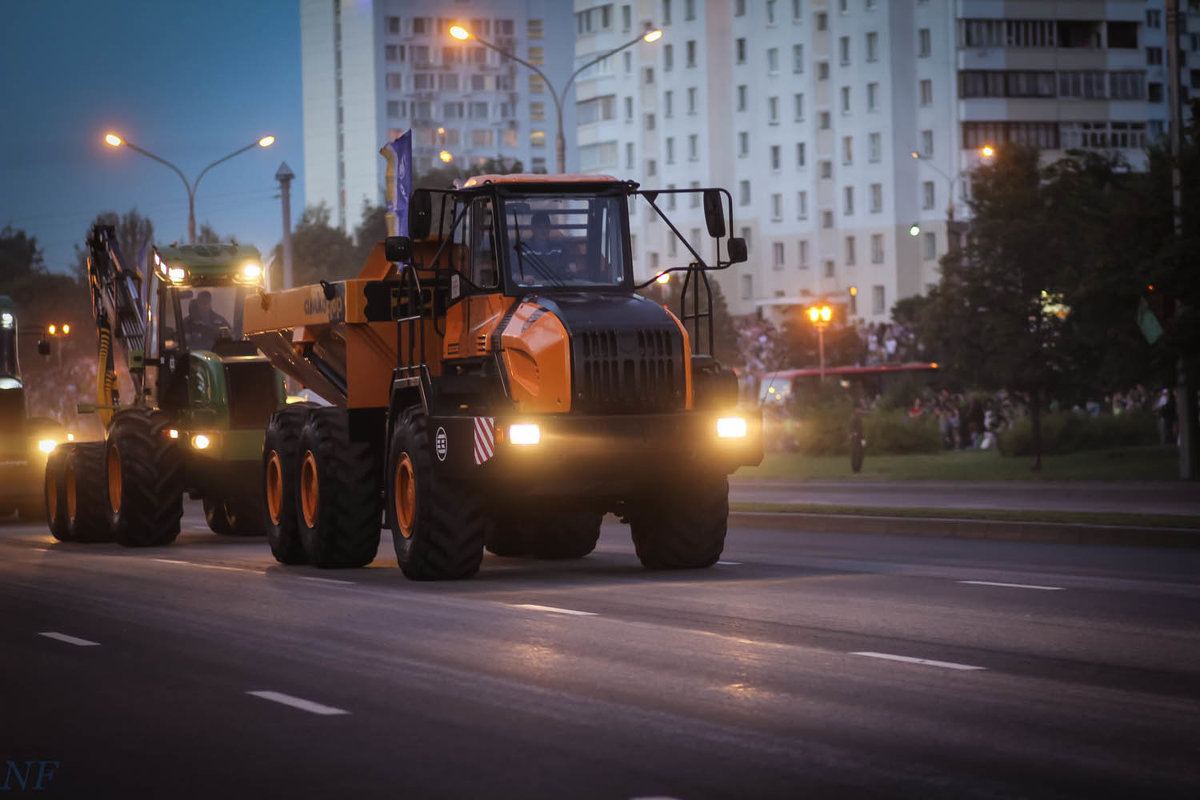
(648, 76)
(741, 98)
(927, 143)
(844, 50)
(798, 58)
(537, 55)
(743, 143)
(744, 193)
(878, 300)
(930, 240)
(800, 154)
(826, 219)
(798, 102)
(926, 92)
(873, 147)
(693, 147)
(1154, 56)
(773, 110)
(822, 21)
(1153, 18)
(770, 12)
(928, 200)
(872, 97)
(691, 53)
(536, 85)
(666, 12)
(848, 201)
(772, 60)
(668, 105)
(536, 138)
(823, 120)
(850, 255)
(802, 207)
(747, 287)
(775, 158)
(669, 147)
(626, 18)
(872, 46)
(648, 122)
(847, 149)
(803, 254)
(777, 255)
(739, 8)
(629, 109)
(668, 57)
(393, 25)
(689, 9)
(629, 159)
(776, 207)
(829, 268)
(537, 111)
(877, 248)
(822, 70)
(826, 169)
(845, 100)
(924, 43)
(876, 198)
(740, 51)
(691, 101)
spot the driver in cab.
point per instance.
(202, 323)
(541, 257)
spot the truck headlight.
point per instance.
(251, 272)
(177, 274)
(731, 428)
(524, 433)
(47, 445)
(201, 442)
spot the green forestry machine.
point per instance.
(24, 441)
(199, 399)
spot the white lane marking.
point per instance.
(553, 610)
(324, 580)
(927, 662)
(204, 566)
(298, 702)
(729, 563)
(75, 640)
(1015, 586)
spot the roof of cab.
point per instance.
(537, 177)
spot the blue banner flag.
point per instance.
(398, 153)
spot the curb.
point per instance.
(1054, 532)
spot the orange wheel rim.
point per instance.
(309, 489)
(51, 494)
(70, 490)
(404, 494)
(114, 479)
(274, 488)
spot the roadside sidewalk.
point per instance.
(947, 496)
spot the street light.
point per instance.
(820, 316)
(113, 140)
(560, 144)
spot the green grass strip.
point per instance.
(997, 515)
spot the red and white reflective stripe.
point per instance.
(485, 438)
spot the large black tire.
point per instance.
(438, 526)
(683, 525)
(214, 515)
(145, 479)
(338, 499)
(56, 495)
(552, 534)
(86, 492)
(281, 479)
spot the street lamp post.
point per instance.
(820, 316)
(560, 144)
(986, 153)
(113, 140)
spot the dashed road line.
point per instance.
(555, 610)
(298, 702)
(923, 661)
(75, 640)
(729, 563)
(206, 566)
(1015, 586)
(325, 580)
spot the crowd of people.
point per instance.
(887, 343)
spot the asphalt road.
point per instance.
(804, 665)
(1135, 497)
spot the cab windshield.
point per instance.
(565, 241)
(210, 314)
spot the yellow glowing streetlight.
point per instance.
(821, 315)
(987, 151)
(560, 145)
(114, 140)
(446, 156)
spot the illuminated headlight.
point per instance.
(731, 428)
(173, 433)
(524, 433)
(201, 442)
(177, 274)
(251, 272)
(6, 320)
(47, 445)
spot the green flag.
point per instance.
(1152, 329)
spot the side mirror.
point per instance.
(43, 347)
(398, 249)
(737, 250)
(420, 214)
(714, 215)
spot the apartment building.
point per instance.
(375, 68)
(844, 127)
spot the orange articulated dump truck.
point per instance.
(494, 380)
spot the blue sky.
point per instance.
(189, 80)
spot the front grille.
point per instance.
(252, 393)
(628, 371)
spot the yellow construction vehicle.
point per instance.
(495, 379)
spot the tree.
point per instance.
(320, 251)
(372, 229)
(134, 232)
(990, 317)
(725, 333)
(444, 177)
